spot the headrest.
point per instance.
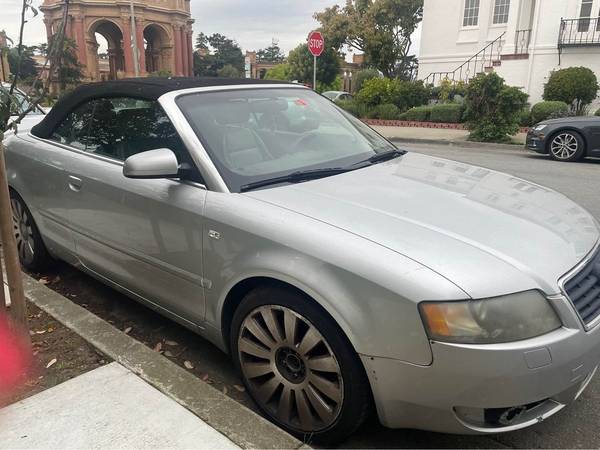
(231, 113)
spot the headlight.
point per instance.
(491, 321)
(539, 127)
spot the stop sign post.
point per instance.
(316, 46)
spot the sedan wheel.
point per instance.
(567, 146)
(290, 368)
(298, 365)
(30, 246)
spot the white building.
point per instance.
(522, 40)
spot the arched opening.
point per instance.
(156, 43)
(110, 57)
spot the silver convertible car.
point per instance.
(339, 272)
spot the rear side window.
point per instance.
(74, 129)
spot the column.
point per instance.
(178, 54)
(139, 23)
(80, 40)
(49, 31)
(184, 53)
(190, 50)
(127, 47)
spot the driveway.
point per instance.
(575, 427)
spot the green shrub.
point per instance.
(386, 112)
(355, 108)
(362, 76)
(545, 110)
(598, 113)
(418, 114)
(525, 118)
(493, 109)
(447, 113)
(576, 86)
(403, 94)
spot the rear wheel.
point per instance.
(567, 146)
(30, 246)
(298, 366)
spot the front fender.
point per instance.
(370, 291)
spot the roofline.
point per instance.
(176, 93)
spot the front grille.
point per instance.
(584, 290)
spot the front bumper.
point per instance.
(473, 389)
(536, 142)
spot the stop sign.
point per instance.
(316, 43)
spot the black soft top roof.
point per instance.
(142, 88)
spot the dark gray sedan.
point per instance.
(567, 139)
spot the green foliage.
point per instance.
(362, 76)
(70, 71)
(598, 113)
(219, 51)
(525, 118)
(493, 108)
(279, 72)
(418, 114)
(270, 54)
(335, 86)
(576, 86)
(355, 108)
(403, 94)
(381, 29)
(447, 113)
(300, 61)
(28, 68)
(545, 110)
(385, 112)
(161, 74)
(228, 71)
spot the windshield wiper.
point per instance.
(296, 177)
(381, 157)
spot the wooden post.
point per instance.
(18, 306)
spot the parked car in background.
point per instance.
(568, 139)
(339, 272)
(338, 95)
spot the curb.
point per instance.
(463, 144)
(241, 425)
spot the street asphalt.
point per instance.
(574, 427)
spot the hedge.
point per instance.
(447, 113)
(418, 114)
(546, 110)
(598, 113)
(386, 111)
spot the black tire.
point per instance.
(356, 403)
(566, 146)
(32, 251)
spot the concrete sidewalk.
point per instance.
(433, 135)
(107, 408)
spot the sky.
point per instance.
(252, 24)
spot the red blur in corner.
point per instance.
(15, 359)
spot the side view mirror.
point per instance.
(160, 163)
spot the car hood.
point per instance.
(568, 120)
(488, 232)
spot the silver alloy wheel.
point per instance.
(290, 368)
(564, 146)
(23, 232)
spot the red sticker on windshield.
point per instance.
(301, 102)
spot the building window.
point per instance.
(471, 18)
(586, 13)
(501, 9)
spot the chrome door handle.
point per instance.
(75, 183)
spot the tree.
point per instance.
(300, 62)
(217, 51)
(493, 109)
(228, 71)
(28, 67)
(576, 86)
(270, 54)
(381, 29)
(70, 71)
(279, 72)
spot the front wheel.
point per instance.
(298, 366)
(567, 146)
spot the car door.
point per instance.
(143, 235)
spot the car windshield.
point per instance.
(253, 135)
